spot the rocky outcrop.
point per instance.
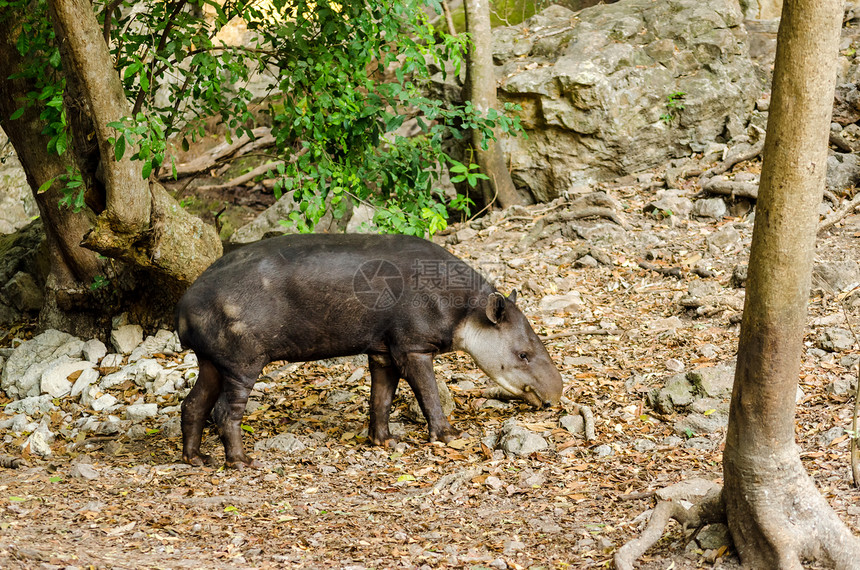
(616, 89)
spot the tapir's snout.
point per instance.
(546, 393)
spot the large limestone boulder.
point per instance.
(599, 88)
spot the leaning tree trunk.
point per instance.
(774, 512)
(481, 81)
(158, 248)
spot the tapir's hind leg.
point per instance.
(384, 377)
(228, 414)
(195, 410)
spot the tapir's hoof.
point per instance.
(240, 464)
(389, 441)
(446, 436)
(197, 460)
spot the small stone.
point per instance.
(103, 402)
(573, 423)
(494, 482)
(88, 376)
(112, 360)
(137, 412)
(125, 338)
(517, 440)
(702, 443)
(286, 442)
(674, 365)
(603, 450)
(137, 431)
(94, 350)
(567, 303)
(714, 536)
(831, 435)
(84, 471)
(644, 445)
(39, 441)
(714, 208)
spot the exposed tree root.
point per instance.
(842, 212)
(727, 164)
(778, 518)
(709, 510)
(731, 188)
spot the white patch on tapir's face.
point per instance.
(498, 349)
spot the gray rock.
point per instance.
(164, 342)
(138, 412)
(739, 276)
(603, 450)
(842, 385)
(568, 303)
(23, 292)
(40, 441)
(701, 424)
(103, 402)
(669, 203)
(723, 239)
(671, 441)
(172, 428)
(518, 440)
(340, 397)
(714, 381)
(702, 443)
(112, 360)
(835, 339)
(88, 377)
(573, 423)
(843, 171)
(678, 392)
(596, 96)
(24, 368)
(714, 536)
(286, 442)
(55, 379)
(835, 276)
(125, 338)
(84, 471)
(31, 406)
(830, 435)
(94, 350)
(714, 208)
(644, 445)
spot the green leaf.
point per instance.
(15, 499)
(230, 509)
(17, 114)
(146, 170)
(248, 429)
(119, 149)
(45, 185)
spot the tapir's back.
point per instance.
(310, 296)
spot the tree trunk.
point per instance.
(775, 515)
(161, 248)
(481, 84)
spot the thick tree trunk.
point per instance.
(775, 514)
(90, 73)
(160, 247)
(482, 92)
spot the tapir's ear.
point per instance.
(513, 297)
(495, 307)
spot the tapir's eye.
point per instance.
(524, 357)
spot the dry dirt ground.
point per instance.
(341, 503)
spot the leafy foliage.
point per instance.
(340, 79)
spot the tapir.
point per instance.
(399, 299)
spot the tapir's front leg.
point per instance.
(419, 373)
(384, 378)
